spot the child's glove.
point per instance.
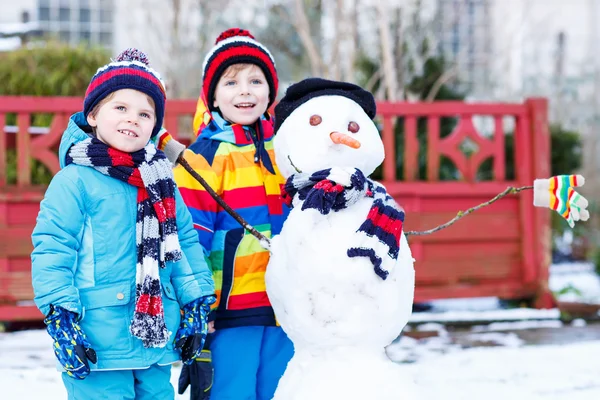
(199, 375)
(71, 346)
(193, 329)
(171, 147)
(558, 194)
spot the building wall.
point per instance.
(464, 38)
(12, 10)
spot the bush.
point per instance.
(53, 70)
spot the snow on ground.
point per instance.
(496, 362)
(575, 282)
(440, 370)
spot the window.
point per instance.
(73, 21)
(84, 15)
(85, 36)
(106, 38)
(44, 13)
(64, 14)
(64, 36)
(105, 16)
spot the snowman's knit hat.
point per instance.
(299, 93)
(130, 70)
(236, 46)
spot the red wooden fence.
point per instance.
(502, 250)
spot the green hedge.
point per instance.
(53, 70)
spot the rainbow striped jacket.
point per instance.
(224, 155)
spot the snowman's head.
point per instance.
(321, 129)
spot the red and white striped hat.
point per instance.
(236, 46)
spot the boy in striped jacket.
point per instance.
(233, 151)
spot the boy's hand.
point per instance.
(193, 329)
(557, 193)
(211, 327)
(71, 346)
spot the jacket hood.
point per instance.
(77, 131)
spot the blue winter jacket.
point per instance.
(84, 260)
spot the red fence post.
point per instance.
(3, 150)
(540, 156)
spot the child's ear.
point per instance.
(91, 120)
(215, 104)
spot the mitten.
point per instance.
(171, 147)
(557, 193)
(199, 375)
(192, 332)
(71, 346)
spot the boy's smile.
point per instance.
(128, 132)
(125, 121)
(242, 94)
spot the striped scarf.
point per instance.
(156, 228)
(336, 189)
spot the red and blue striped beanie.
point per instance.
(236, 46)
(130, 70)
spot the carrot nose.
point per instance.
(345, 139)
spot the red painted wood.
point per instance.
(502, 250)
(3, 147)
(389, 143)
(14, 313)
(23, 150)
(411, 150)
(541, 218)
(433, 154)
(499, 161)
(449, 108)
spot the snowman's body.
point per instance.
(337, 311)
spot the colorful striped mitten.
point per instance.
(191, 335)
(71, 346)
(171, 147)
(558, 194)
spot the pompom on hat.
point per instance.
(130, 70)
(236, 46)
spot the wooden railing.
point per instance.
(502, 250)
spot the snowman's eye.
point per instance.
(353, 127)
(315, 120)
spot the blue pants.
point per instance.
(248, 362)
(131, 384)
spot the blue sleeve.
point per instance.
(56, 240)
(191, 276)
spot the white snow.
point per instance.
(441, 370)
(575, 282)
(506, 368)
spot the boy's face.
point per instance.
(242, 96)
(125, 122)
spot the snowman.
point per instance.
(341, 276)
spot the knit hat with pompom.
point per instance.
(130, 70)
(236, 46)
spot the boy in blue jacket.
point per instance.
(116, 259)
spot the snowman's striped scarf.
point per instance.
(156, 228)
(336, 189)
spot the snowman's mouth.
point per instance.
(244, 106)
